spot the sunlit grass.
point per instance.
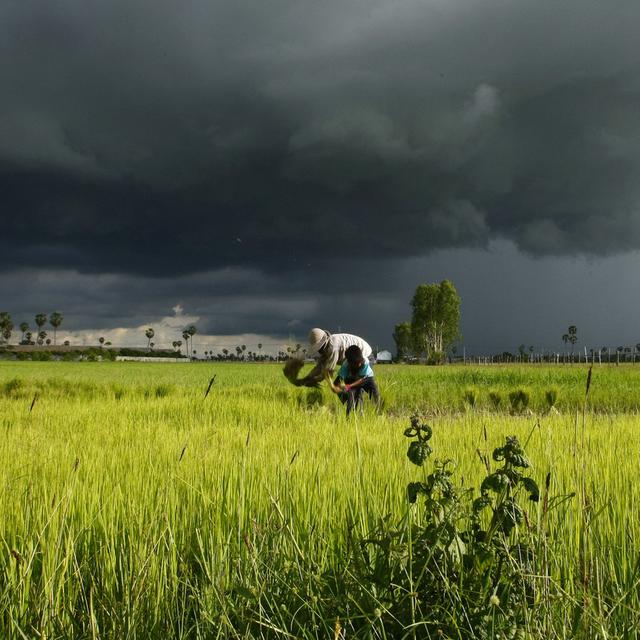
(132, 512)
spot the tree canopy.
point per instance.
(435, 322)
(403, 339)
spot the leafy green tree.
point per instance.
(435, 322)
(24, 327)
(403, 339)
(55, 320)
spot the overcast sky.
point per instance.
(260, 168)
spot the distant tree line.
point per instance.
(39, 337)
(28, 337)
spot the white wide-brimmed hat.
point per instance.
(317, 339)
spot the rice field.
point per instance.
(134, 507)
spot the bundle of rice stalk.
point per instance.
(291, 370)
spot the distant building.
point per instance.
(384, 357)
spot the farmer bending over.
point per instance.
(357, 375)
(330, 351)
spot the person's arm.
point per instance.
(334, 386)
(365, 373)
(337, 386)
(317, 374)
(326, 364)
(357, 383)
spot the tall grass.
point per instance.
(132, 512)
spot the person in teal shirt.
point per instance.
(356, 376)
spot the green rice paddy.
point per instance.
(131, 506)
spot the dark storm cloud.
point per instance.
(507, 299)
(161, 138)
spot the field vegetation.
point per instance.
(134, 507)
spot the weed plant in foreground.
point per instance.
(131, 513)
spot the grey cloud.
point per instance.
(507, 298)
(157, 139)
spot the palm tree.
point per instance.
(6, 331)
(225, 352)
(41, 337)
(185, 337)
(6, 325)
(24, 327)
(27, 336)
(149, 333)
(573, 337)
(179, 343)
(191, 330)
(101, 341)
(55, 320)
(41, 320)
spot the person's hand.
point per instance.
(333, 387)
